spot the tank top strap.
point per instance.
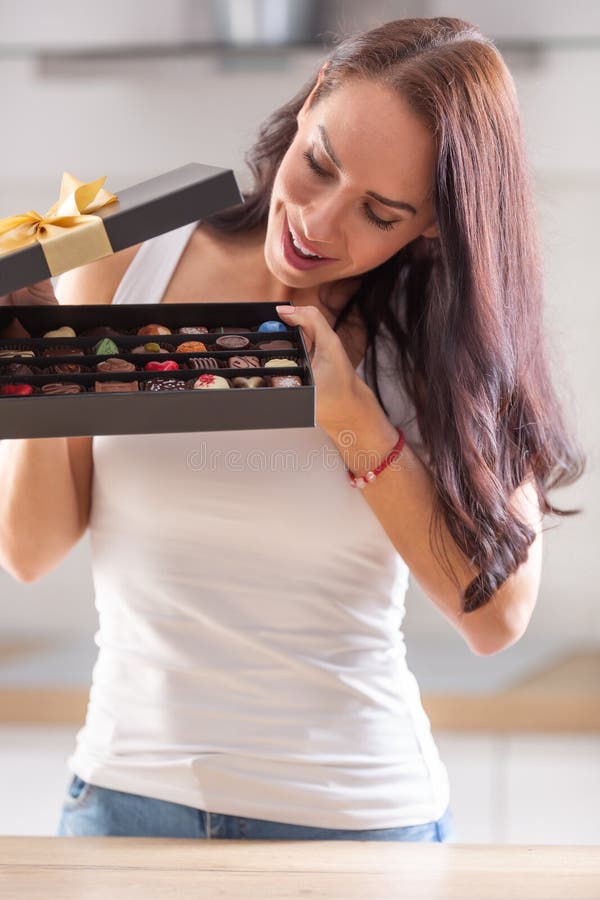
(152, 267)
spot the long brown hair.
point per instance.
(472, 353)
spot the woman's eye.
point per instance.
(375, 220)
(313, 164)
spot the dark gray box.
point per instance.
(144, 412)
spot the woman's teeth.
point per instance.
(302, 251)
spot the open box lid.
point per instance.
(142, 211)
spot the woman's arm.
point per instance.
(403, 496)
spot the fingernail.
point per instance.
(286, 309)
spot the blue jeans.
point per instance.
(89, 811)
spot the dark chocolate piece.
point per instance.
(243, 362)
(14, 329)
(66, 369)
(232, 342)
(202, 362)
(164, 384)
(18, 369)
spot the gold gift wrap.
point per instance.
(69, 234)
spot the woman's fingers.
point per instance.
(314, 325)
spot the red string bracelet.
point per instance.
(361, 481)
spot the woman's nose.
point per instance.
(321, 221)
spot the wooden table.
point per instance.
(156, 868)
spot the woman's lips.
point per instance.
(293, 257)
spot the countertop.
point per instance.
(156, 868)
(533, 686)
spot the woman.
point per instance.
(251, 680)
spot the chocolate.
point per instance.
(65, 369)
(17, 369)
(115, 365)
(106, 347)
(63, 351)
(277, 345)
(14, 329)
(272, 325)
(210, 382)
(243, 362)
(100, 331)
(191, 347)
(62, 388)
(16, 390)
(152, 347)
(168, 365)
(154, 329)
(114, 387)
(193, 329)
(164, 384)
(11, 352)
(65, 332)
(232, 342)
(279, 363)
(254, 381)
(202, 362)
(285, 381)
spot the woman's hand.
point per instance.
(39, 294)
(340, 393)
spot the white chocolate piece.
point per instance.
(208, 381)
(271, 363)
(64, 332)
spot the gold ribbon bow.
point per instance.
(69, 234)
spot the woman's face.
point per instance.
(355, 149)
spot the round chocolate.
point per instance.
(115, 365)
(277, 362)
(164, 384)
(151, 348)
(208, 381)
(61, 388)
(232, 342)
(272, 325)
(243, 362)
(154, 329)
(193, 329)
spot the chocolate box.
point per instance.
(142, 211)
(146, 411)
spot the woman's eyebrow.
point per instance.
(397, 204)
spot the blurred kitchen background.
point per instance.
(131, 88)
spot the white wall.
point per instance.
(133, 119)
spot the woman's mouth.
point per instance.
(296, 254)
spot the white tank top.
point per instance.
(250, 603)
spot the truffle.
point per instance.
(115, 365)
(210, 382)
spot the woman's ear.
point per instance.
(308, 102)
